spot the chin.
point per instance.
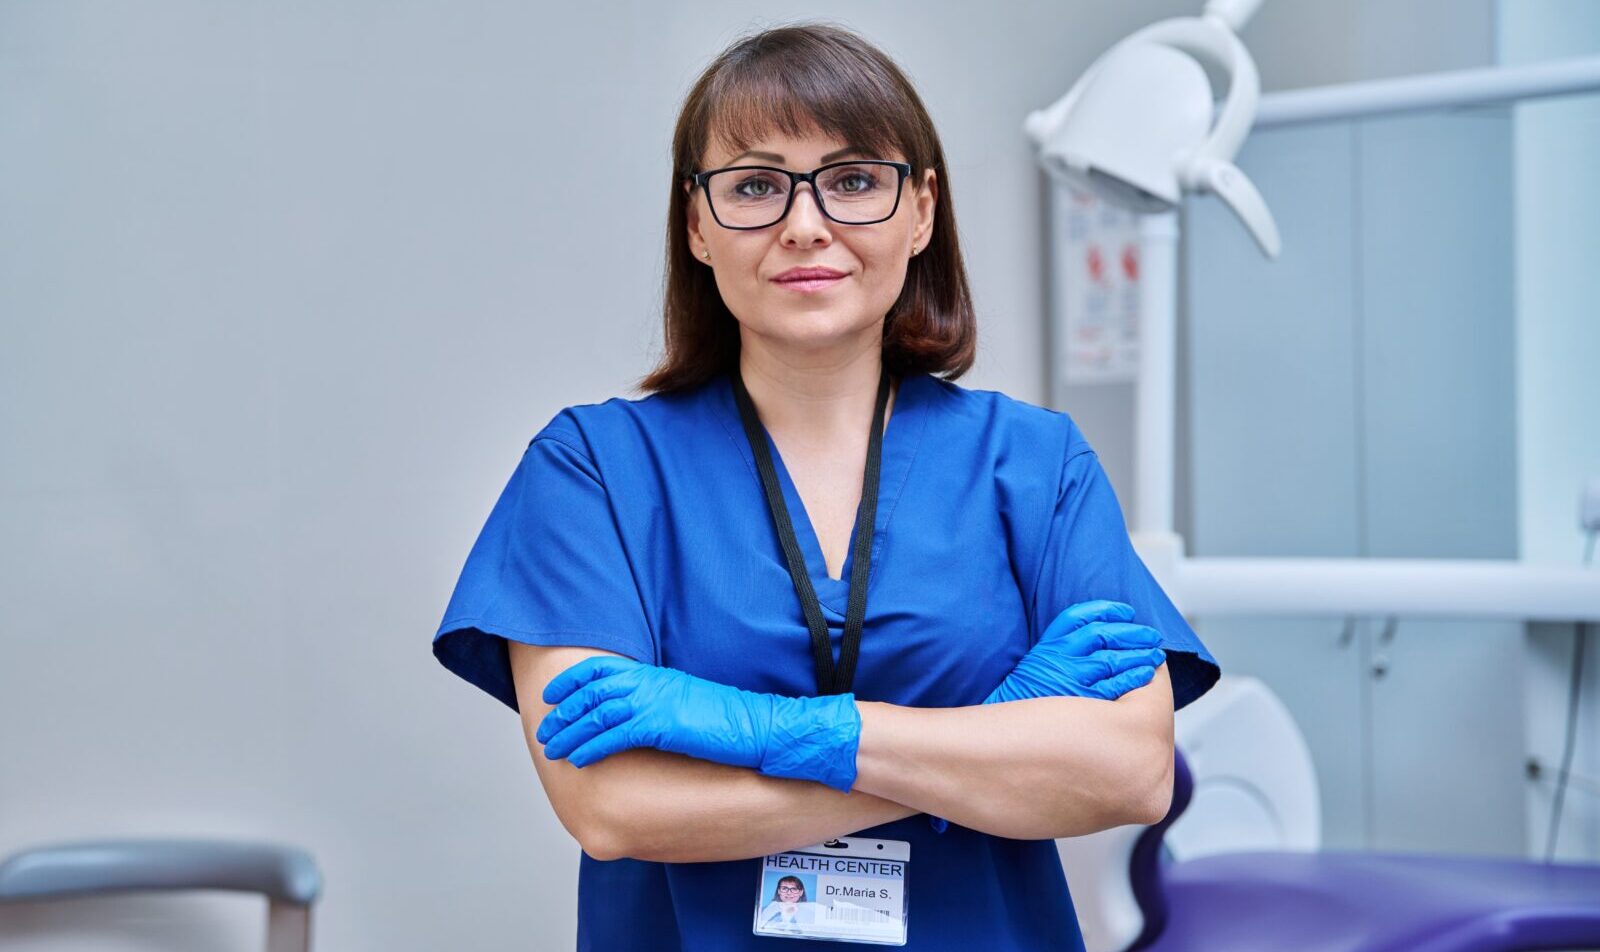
(817, 329)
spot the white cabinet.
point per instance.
(1356, 398)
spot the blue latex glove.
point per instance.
(606, 704)
(1089, 650)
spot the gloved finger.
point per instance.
(613, 741)
(1076, 616)
(590, 668)
(1114, 661)
(1114, 687)
(584, 700)
(1047, 678)
(1110, 634)
(591, 725)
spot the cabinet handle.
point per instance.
(1349, 633)
(1390, 624)
(1380, 661)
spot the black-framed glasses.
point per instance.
(861, 192)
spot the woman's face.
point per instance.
(789, 892)
(873, 258)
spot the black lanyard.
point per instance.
(829, 679)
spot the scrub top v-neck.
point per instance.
(897, 452)
(641, 527)
(834, 676)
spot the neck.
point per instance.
(814, 396)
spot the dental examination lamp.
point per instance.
(1139, 129)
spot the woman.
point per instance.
(765, 606)
(788, 904)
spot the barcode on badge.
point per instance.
(853, 914)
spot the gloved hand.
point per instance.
(1089, 650)
(606, 704)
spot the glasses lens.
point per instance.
(857, 193)
(747, 198)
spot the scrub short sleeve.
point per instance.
(1088, 556)
(548, 568)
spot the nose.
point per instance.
(805, 221)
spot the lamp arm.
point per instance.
(1236, 191)
(1209, 40)
(1235, 13)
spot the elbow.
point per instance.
(582, 814)
(604, 840)
(1135, 788)
(1147, 795)
(618, 823)
(1145, 717)
(614, 810)
(602, 846)
(603, 835)
(594, 836)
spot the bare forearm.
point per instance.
(653, 805)
(1033, 769)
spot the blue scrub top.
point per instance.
(640, 527)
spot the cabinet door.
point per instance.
(1436, 336)
(1447, 737)
(1315, 667)
(1271, 378)
(1269, 399)
(1438, 405)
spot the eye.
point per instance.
(758, 185)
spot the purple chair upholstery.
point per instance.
(1356, 901)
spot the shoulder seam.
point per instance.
(570, 441)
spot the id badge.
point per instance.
(851, 889)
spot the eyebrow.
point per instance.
(774, 157)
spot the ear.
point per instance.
(697, 242)
(925, 200)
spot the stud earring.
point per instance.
(705, 254)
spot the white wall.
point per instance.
(1314, 42)
(1558, 390)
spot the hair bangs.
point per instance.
(758, 96)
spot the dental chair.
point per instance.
(1252, 782)
(286, 876)
(1356, 901)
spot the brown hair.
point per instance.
(789, 879)
(797, 78)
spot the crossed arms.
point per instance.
(1032, 769)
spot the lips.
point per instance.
(808, 274)
(809, 280)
